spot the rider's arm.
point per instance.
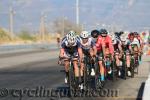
(61, 54)
(80, 51)
(95, 50)
(120, 48)
(93, 45)
(62, 50)
(111, 48)
(98, 43)
(141, 43)
(130, 48)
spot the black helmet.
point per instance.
(94, 33)
(118, 34)
(103, 32)
(135, 33)
(131, 33)
(121, 32)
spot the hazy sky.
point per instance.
(128, 14)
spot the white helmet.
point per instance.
(123, 38)
(70, 34)
(84, 34)
(113, 37)
(71, 39)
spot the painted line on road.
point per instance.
(146, 94)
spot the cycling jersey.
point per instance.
(125, 46)
(106, 42)
(70, 48)
(140, 40)
(116, 43)
(135, 42)
(89, 44)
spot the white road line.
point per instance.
(146, 94)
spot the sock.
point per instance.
(77, 80)
(102, 77)
(67, 74)
(82, 79)
(129, 68)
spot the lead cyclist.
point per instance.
(70, 46)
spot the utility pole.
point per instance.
(77, 12)
(42, 26)
(11, 22)
(63, 26)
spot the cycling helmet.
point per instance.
(131, 34)
(103, 32)
(71, 40)
(84, 34)
(123, 38)
(94, 33)
(121, 32)
(136, 33)
(113, 37)
(70, 34)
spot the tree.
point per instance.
(64, 26)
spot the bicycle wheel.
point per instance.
(71, 80)
(125, 67)
(97, 77)
(114, 71)
(132, 67)
(85, 73)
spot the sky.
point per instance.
(125, 14)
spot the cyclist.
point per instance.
(71, 47)
(58, 39)
(134, 41)
(104, 47)
(88, 47)
(95, 34)
(137, 36)
(118, 51)
(125, 47)
(135, 47)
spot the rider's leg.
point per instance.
(101, 70)
(66, 62)
(118, 64)
(82, 70)
(128, 59)
(92, 62)
(117, 60)
(76, 69)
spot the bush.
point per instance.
(26, 36)
(4, 36)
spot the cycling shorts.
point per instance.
(68, 55)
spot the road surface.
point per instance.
(20, 73)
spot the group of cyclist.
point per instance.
(98, 44)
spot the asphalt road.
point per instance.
(24, 75)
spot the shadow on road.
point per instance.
(141, 90)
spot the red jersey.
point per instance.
(106, 42)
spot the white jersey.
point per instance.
(136, 41)
(89, 44)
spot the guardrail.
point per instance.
(27, 46)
